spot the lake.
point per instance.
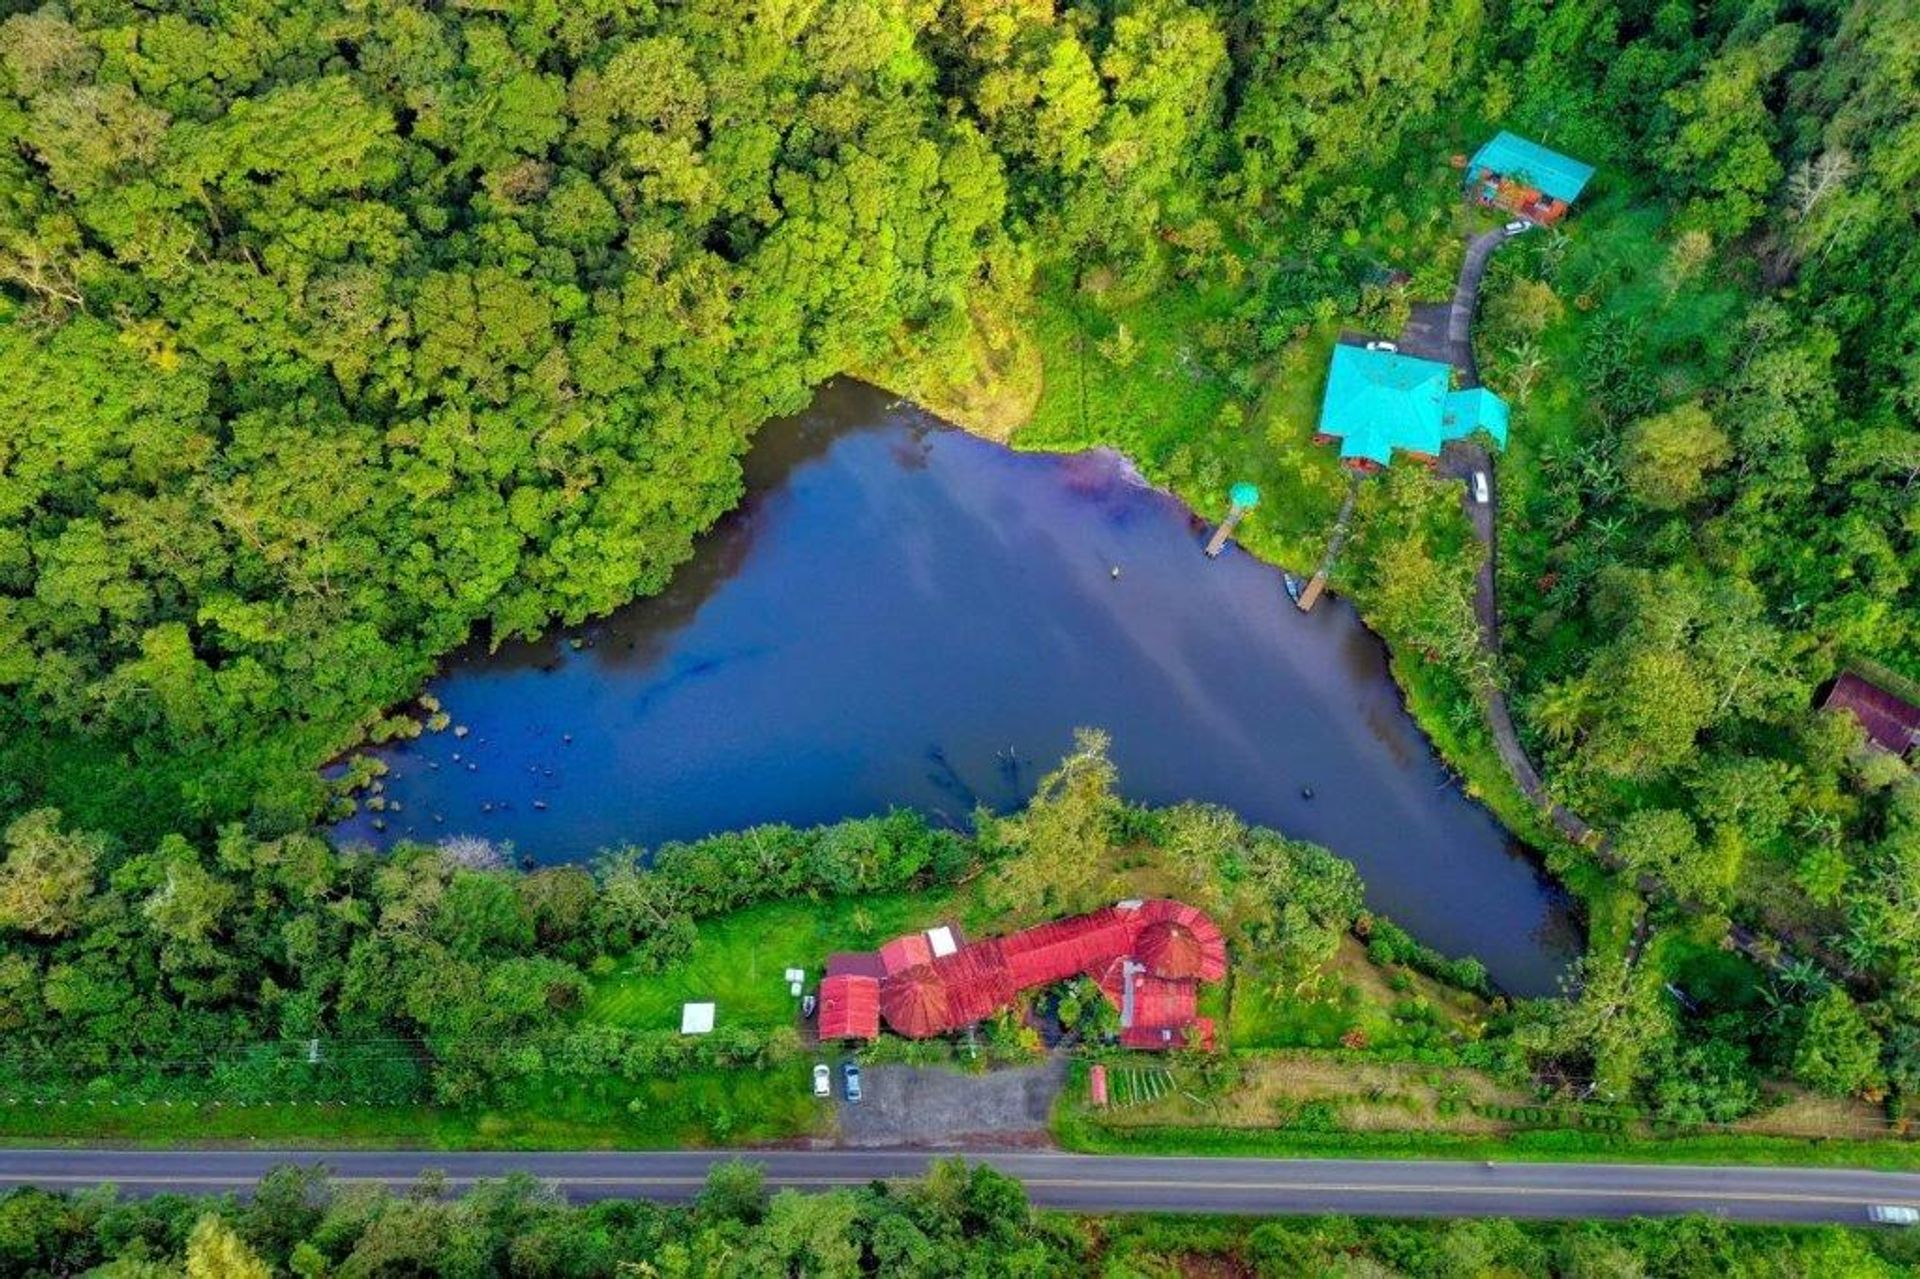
(901, 614)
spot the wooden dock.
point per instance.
(1342, 525)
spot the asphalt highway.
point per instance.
(1091, 1183)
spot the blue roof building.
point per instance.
(1380, 401)
(1534, 181)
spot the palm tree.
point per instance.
(1525, 364)
(1559, 710)
(1805, 978)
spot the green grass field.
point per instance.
(739, 960)
(1390, 1008)
(697, 1109)
(1075, 1131)
(1183, 423)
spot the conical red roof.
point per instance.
(914, 1002)
(1169, 949)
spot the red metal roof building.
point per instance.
(1147, 957)
(1891, 722)
(849, 1006)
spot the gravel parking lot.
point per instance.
(923, 1106)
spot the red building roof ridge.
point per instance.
(920, 995)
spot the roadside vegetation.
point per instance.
(959, 1221)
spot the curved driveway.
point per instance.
(1089, 1183)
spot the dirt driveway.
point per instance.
(927, 1106)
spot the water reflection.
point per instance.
(901, 614)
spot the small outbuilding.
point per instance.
(850, 1006)
(1525, 178)
(696, 1019)
(1891, 722)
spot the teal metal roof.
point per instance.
(1245, 494)
(1476, 409)
(1379, 401)
(1559, 176)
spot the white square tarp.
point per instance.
(696, 1019)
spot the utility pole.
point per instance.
(1243, 498)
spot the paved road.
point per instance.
(1463, 458)
(1079, 1182)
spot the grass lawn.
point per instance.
(1183, 423)
(699, 1109)
(739, 961)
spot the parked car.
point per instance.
(1382, 346)
(851, 1073)
(1515, 228)
(1893, 1215)
(808, 1004)
(1481, 493)
(822, 1080)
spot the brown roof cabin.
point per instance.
(1891, 722)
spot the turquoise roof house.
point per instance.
(1378, 402)
(1526, 178)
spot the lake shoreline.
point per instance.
(902, 614)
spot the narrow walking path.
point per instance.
(1342, 526)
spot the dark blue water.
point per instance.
(903, 614)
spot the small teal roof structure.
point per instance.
(1475, 409)
(1561, 177)
(1244, 494)
(1379, 401)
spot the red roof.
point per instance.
(1176, 934)
(1055, 951)
(1890, 721)
(1157, 1001)
(1176, 946)
(903, 953)
(850, 1007)
(1160, 1037)
(1169, 950)
(915, 1003)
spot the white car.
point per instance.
(1893, 1214)
(822, 1080)
(1516, 228)
(1480, 492)
(1381, 346)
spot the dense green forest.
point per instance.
(959, 1221)
(333, 334)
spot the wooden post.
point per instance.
(1242, 499)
